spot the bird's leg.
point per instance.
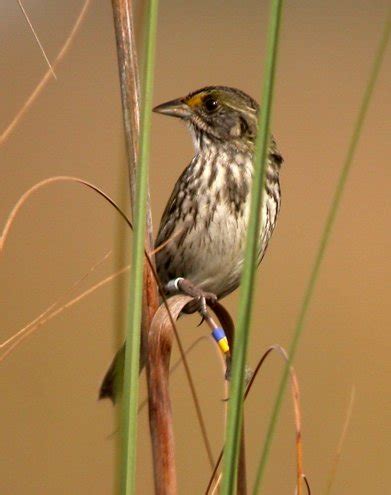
(201, 296)
(187, 287)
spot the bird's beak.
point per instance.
(175, 108)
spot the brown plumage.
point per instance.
(204, 225)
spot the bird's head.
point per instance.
(216, 114)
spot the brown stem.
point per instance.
(130, 97)
(160, 414)
(129, 82)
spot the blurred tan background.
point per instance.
(54, 433)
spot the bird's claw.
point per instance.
(202, 320)
(201, 298)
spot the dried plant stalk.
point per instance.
(160, 416)
(143, 300)
(130, 97)
(46, 78)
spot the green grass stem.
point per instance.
(322, 247)
(235, 406)
(132, 354)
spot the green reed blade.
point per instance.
(322, 247)
(233, 430)
(132, 353)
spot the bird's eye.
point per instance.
(210, 104)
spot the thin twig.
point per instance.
(341, 441)
(295, 398)
(297, 414)
(7, 227)
(36, 38)
(42, 83)
(55, 303)
(217, 484)
(22, 200)
(64, 307)
(175, 366)
(307, 485)
(45, 316)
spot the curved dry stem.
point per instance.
(22, 200)
(341, 441)
(9, 223)
(159, 344)
(307, 485)
(185, 364)
(40, 319)
(30, 100)
(160, 339)
(49, 313)
(179, 361)
(173, 368)
(297, 413)
(4, 236)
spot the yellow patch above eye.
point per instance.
(195, 101)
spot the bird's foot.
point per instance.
(201, 297)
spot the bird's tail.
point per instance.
(112, 382)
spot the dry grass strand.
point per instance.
(297, 413)
(45, 79)
(36, 38)
(55, 303)
(341, 441)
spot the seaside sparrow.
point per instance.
(203, 227)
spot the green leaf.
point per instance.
(322, 247)
(132, 352)
(235, 406)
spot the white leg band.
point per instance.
(172, 285)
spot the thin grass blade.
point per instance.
(322, 246)
(132, 354)
(235, 407)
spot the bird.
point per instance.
(202, 233)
